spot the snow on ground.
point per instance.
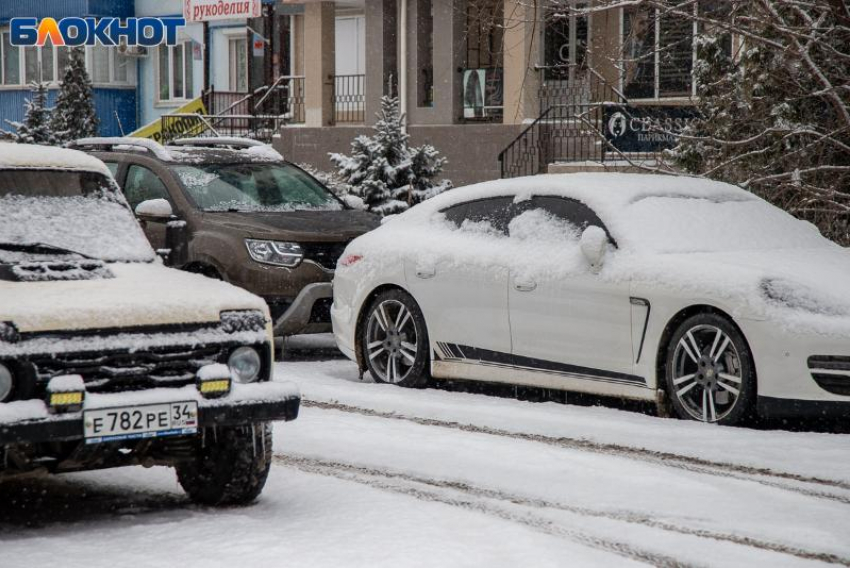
(375, 475)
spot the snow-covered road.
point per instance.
(375, 475)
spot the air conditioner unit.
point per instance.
(132, 50)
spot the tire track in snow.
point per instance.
(400, 484)
(764, 476)
(326, 467)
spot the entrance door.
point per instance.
(565, 54)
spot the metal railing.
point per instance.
(348, 98)
(256, 127)
(569, 129)
(285, 97)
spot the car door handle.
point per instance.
(426, 272)
(525, 285)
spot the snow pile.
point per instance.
(214, 371)
(140, 294)
(50, 271)
(264, 153)
(66, 383)
(31, 157)
(92, 227)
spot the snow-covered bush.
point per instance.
(385, 171)
(775, 112)
(35, 128)
(74, 116)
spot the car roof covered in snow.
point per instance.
(603, 192)
(28, 156)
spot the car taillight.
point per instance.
(350, 259)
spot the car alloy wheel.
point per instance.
(707, 373)
(391, 341)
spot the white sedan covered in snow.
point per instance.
(638, 286)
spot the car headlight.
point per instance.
(277, 253)
(6, 383)
(245, 364)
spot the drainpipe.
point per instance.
(402, 67)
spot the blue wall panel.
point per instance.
(109, 101)
(106, 101)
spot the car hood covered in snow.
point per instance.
(140, 294)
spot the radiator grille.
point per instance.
(172, 366)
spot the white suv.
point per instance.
(108, 358)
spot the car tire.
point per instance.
(394, 340)
(710, 374)
(230, 465)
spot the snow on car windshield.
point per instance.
(76, 211)
(687, 224)
(254, 187)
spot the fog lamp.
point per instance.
(66, 393)
(214, 380)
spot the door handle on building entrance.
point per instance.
(525, 285)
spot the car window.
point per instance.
(113, 168)
(537, 225)
(572, 211)
(456, 214)
(494, 213)
(254, 187)
(142, 184)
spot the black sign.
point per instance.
(645, 128)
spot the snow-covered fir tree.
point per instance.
(74, 115)
(385, 171)
(35, 128)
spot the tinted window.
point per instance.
(570, 210)
(456, 214)
(142, 184)
(113, 168)
(497, 211)
(53, 183)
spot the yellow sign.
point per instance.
(176, 125)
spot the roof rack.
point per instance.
(215, 141)
(120, 143)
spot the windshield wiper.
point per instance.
(42, 248)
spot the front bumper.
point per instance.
(785, 380)
(297, 318)
(29, 421)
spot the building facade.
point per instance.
(500, 87)
(112, 73)
(484, 79)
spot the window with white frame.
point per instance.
(10, 55)
(24, 65)
(174, 72)
(658, 53)
(238, 59)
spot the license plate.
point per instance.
(144, 421)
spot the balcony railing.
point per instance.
(349, 98)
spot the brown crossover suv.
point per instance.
(234, 209)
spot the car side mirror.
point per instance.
(154, 209)
(594, 243)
